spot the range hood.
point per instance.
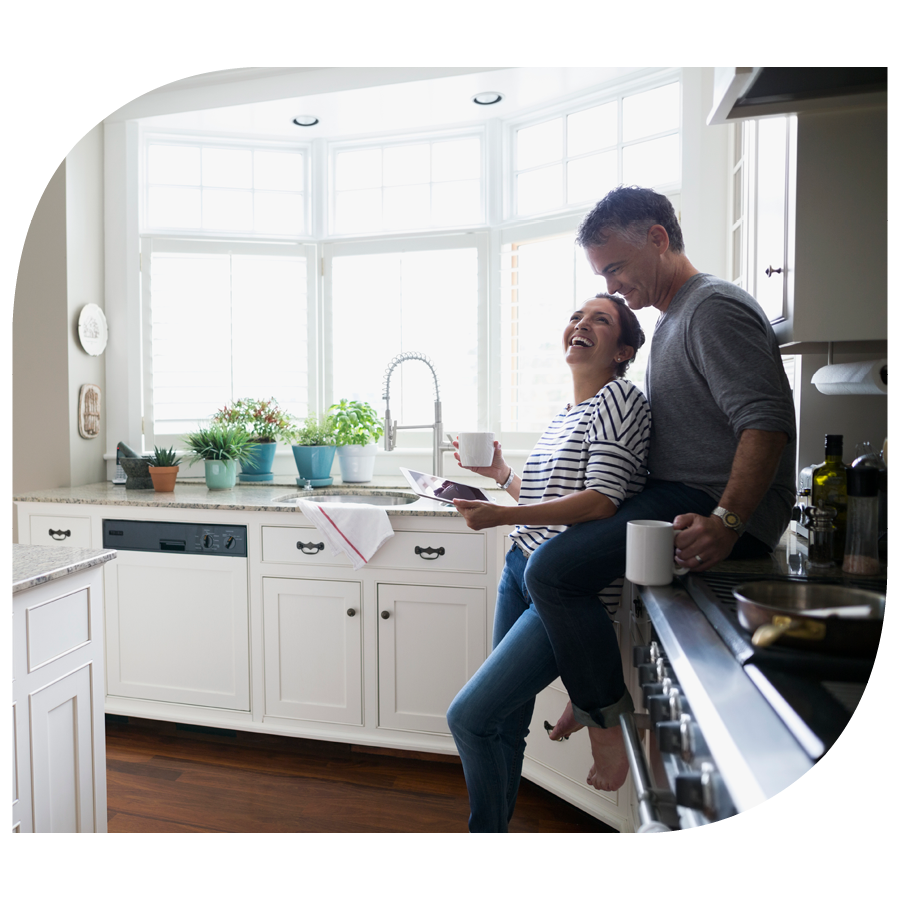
(752, 92)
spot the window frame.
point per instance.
(151, 244)
(618, 91)
(425, 137)
(151, 136)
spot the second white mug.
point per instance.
(476, 448)
(650, 552)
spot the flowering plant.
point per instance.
(263, 419)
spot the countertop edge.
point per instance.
(59, 563)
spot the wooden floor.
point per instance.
(163, 777)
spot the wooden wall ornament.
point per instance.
(89, 411)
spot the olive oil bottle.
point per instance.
(829, 488)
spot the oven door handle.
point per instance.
(653, 804)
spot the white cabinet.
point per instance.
(177, 629)
(59, 758)
(814, 251)
(313, 649)
(431, 641)
(61, 531)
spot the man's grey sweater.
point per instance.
(714, 371)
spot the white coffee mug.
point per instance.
(476, 448)
(650, 552)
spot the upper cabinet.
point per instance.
(810, 223)
(753, 91)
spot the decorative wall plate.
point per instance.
(92, 329)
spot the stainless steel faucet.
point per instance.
(391, 428)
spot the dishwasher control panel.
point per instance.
(175, 537)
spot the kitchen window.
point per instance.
(407, 187)
(224, 188)
(578, 156)
(223, 320)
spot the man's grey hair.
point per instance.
(630, 212)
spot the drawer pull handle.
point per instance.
(385, 614)
(310, 549)
(549, 728)
(60, 535)
(773, 271)
(351, 612)
(430, 552)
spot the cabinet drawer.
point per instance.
(302, 546)
(63, 531)
(423, 550)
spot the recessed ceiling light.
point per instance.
(488, 98)
(305, 121)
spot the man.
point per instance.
(721, 462)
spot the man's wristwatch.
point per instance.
(731, 520)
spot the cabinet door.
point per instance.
(431, 641)
(177, 629)
(771, 216)
(62, 754)
(313, 649)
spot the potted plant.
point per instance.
(356, 429)
(163, 468)
(313, 449)
(265, 423)
(221, 447)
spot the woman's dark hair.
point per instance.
(630, 332)
(630, 212)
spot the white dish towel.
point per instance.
(356, 529)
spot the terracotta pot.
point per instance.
(163, 477)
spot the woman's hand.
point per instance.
(498, 469)
(479, 514)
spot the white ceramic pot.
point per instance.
(357, 462)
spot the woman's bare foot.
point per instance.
(566, 725)
(610, 768)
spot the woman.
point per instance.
(591, 457)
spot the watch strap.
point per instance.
(731, 520)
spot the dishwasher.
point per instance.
(177, 613)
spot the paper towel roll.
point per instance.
(869, 377)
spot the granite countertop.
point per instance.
(790, 558)
(34, 565)
(192, 493)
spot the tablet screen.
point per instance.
(442, 489)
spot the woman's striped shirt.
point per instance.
(599, 445)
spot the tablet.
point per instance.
(443, 489)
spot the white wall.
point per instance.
(84, 278)
(40, 348)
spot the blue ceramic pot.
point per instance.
(220, 474)
(314, 464)
(259, 465)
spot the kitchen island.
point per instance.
(59, 757)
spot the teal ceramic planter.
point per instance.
(314, 464)
(221, 474)
(259, 466)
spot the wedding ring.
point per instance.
(698, 559)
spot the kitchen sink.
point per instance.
(385, 498)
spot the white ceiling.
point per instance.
(353, 102)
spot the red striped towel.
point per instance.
(356, 529)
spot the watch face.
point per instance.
(731, 520)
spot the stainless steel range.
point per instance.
(730, 724)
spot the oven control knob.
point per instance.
(660, 705)
(678, 737)
(229, 541)
(207, 540)
(642, 655)
(699, 790)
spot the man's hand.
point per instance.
(703, 541)
(479, 514)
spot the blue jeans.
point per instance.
(490, 716)
(563, 577)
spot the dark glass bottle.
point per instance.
(830, 489)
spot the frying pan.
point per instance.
(827, 618)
